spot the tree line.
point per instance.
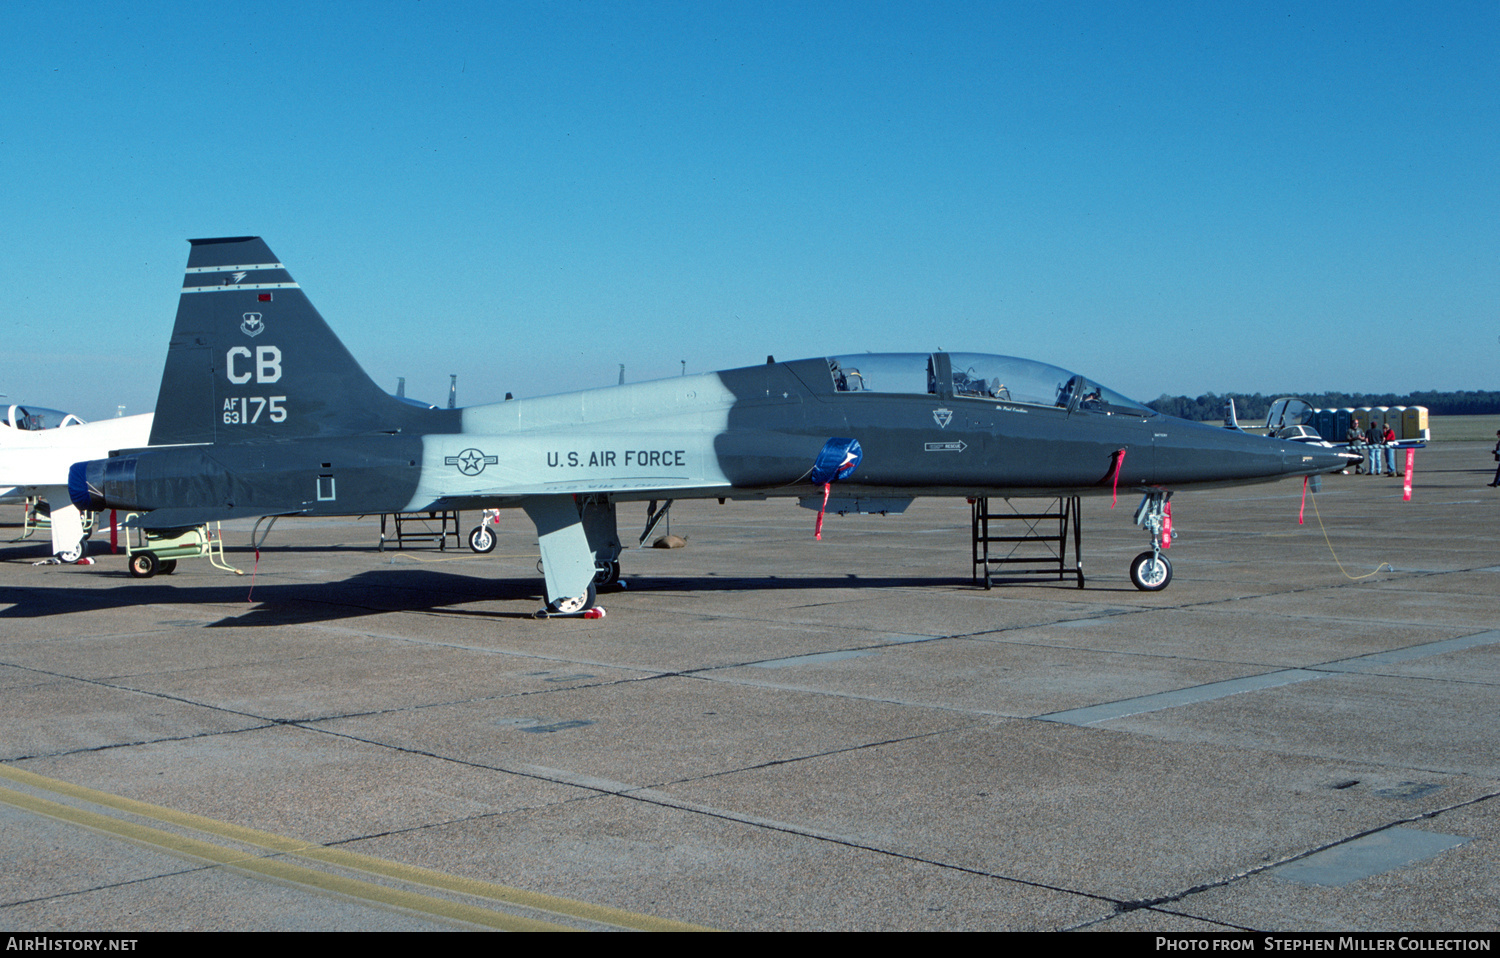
(1253, 407)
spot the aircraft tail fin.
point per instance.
(1231, 421)
(251, 359)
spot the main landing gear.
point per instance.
(1151, 571)
(607, 575)
(577, 539)
(75, 553)
(579, 606)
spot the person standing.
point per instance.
(1356, 441)
(1497, 459)
(1389, 438)
(1372, 454)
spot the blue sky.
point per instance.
(1170, 197)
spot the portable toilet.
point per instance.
(1396, 419)
(1323, 422)
(1414, 423)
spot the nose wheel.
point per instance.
(1150, 572)
(482, 539)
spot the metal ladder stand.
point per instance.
(1068, 516)
(419, 527)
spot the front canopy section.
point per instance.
(1008, 379)
(979, 376)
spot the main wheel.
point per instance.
(1150, 572)
(143, 565)
(606, 574)
(75, 553)
(579, 603)
(482, 539)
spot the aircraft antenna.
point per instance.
(622, 374)
(401, 387)
(452, 390)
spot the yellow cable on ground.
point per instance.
(1354, 578)
(415, 558)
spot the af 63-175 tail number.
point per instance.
(247, 409)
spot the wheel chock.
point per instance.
(596, 612)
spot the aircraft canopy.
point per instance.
(979, 376)
(36, 417)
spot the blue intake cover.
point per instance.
(836, 461)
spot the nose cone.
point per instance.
(1305, 459)
(1189, 453)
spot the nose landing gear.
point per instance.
(1151, 571)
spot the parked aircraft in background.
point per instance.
(1291, 419)
(37, 447)
(30, 418)
(266, 413)
(18, 419)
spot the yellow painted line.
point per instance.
(300, 874)
(276, 868)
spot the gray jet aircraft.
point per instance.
(263, 412)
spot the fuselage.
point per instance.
(747, 433)
(755, 432)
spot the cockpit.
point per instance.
(32, 418)
(979, 376)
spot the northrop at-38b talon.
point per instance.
(263, 412)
